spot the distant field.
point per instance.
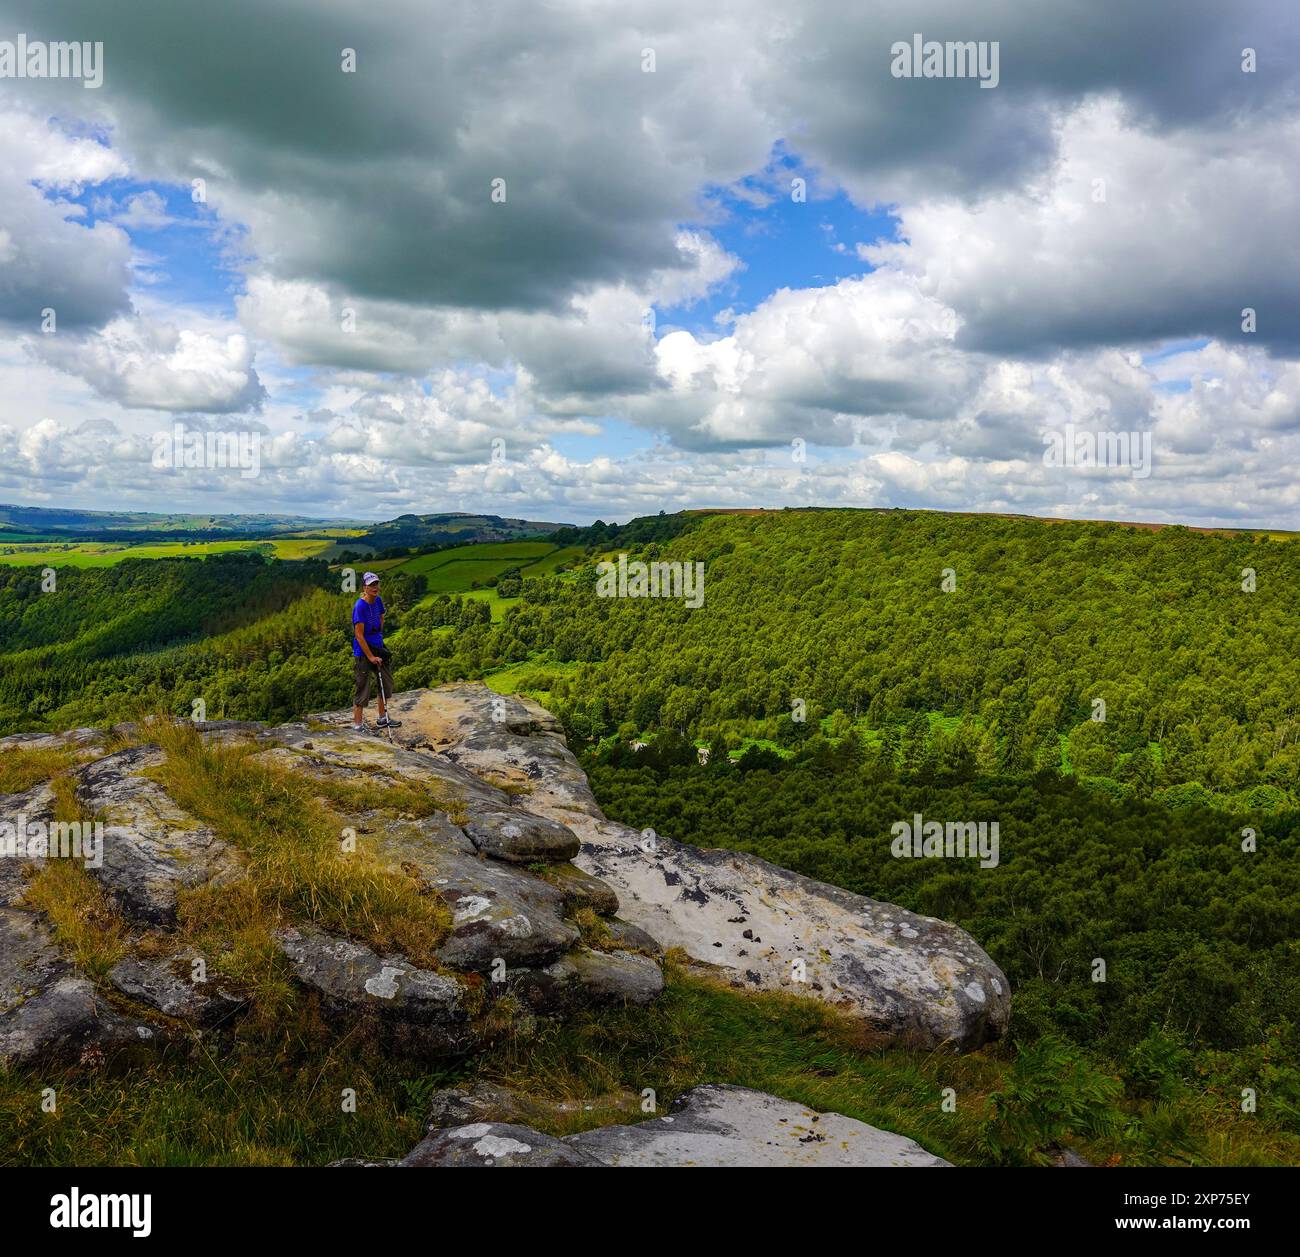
(496, 604)
(105, 554)
(455, 577)
(504, 554)
(312, 534)
(548, 564)
(513, 679)
(456, 571)
(10, 537)
(335, 550)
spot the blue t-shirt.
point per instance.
(371, 615)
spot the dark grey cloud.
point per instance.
(1013, 300)
(1175, 63)
(378, 183)
(1134, 238)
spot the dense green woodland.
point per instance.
(251, 638)
(841, 610)
(845, 610)
(1199, 937)
(1120, 839)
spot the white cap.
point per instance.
(369, 579)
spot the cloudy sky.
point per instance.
(581, 258)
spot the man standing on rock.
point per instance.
(370, 655)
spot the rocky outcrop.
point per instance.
(49, 1013)
(502, 870)
(589, 978)
(495, 1144)
(719, 1126)
(709, 1126)
(84, 740)
(487, 1101)
(553, 908)
(167, 984)
(45, 1006)
(31, 808)
(151, 849)
(416, 1004)
(914, 979)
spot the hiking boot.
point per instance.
(361, 728)
(387, 722)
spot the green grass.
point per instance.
(274, 1098)
(498, 554)
(20, 770)
(312, 534)
(291, 846)
(105, 554)
(763, 744)
(455, 571)
(246, 1105)
(497, 605)
(460, 577)
(513, 679)
(549, 563)
(375, 565)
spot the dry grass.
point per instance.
(390, 793)
(21, 770)
(274, 1100)
(87, 928)
(298, 867)
(515, 787)
(593, 929)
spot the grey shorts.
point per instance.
(364, 673)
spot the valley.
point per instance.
(827, 688)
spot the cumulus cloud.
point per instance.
(154, 366)
(807, 363)
(1075, 247)
(378, 183)
(1130, 237)
(49, 259)
(1176, 65)
(601, 343)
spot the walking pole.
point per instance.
(379, 672)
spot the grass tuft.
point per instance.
(299, 869)
(21, 770)
(274, 1100)
(85, 924)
